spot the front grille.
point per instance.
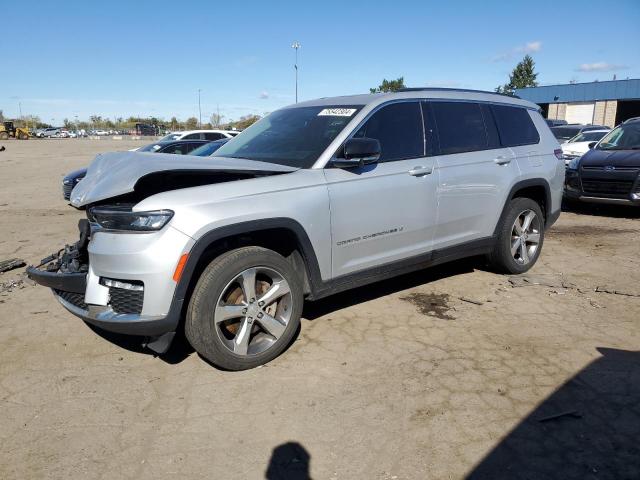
(602, 168)
(73, 298)
(123, 300)
(618, 188)
(66, 190)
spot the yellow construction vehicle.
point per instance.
(8, 129)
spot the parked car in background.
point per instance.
(179, 147)
(209, 148)
(566, 132)
(610, 171)
(317, 198)
(100, 133)
(555, 123)
(579, 145)
(48, 132)
(201, 134)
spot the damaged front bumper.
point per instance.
(119, 289)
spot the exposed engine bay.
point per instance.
(72, 258)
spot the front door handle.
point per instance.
(420, 171)
(502, 160)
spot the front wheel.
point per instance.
(520, 237)
(245, 308)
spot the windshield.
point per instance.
(624, 137)
(153, 147)
(588, 137)
(208, 148)
(293, 136)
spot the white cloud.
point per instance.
(600, 67)
(264, 95)
(529, 47)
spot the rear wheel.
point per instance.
(245, 308)
(4, 135)
(520, 237)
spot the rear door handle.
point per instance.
(502, 160)
(420, 171)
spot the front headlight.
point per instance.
(573, 164)
(115, 219)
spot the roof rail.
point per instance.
(442, 89)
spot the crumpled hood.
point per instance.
(116, 173)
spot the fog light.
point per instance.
(109, 282)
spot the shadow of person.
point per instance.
(589, 428)
(289, 461)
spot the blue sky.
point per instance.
(150, 58)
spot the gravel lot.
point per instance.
(447, 373)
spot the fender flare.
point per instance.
(205, 241)
(531, 182)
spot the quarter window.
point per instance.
(192, 136)
(398, 128)
(514, 126)
(460, 127)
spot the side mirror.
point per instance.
(359, 152)
(592, 144)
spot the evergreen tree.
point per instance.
(389, 86)
(522, 76)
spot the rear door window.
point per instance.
(460, 127)
(515, 126)
(213, 136)
(398, 128)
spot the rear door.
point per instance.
(473, 171)
(385, 212)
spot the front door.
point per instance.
(385, 212)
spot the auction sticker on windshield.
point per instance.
(337, 112)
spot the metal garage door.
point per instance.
(580, 112)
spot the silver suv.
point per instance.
(316, 198)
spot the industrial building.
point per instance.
(599, 103)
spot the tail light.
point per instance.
(558, 153)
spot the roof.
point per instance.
(441, 93)
(583, 92)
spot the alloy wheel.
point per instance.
(253, 311)
(525, 237)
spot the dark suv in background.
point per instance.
(609, 171)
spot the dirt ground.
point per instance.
(448, 373)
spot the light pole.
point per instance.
(296, 46)
(199, 110)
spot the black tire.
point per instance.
(200, 328)
(501, 258)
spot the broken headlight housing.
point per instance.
(126, 220)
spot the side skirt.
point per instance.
(322, 289)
